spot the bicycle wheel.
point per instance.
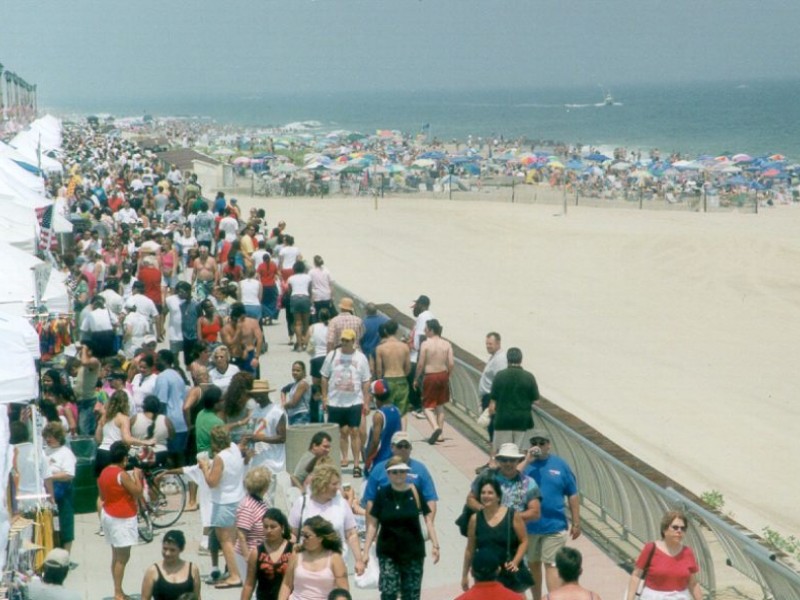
(145, 526)
(168, 501)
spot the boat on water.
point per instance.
(608, 100)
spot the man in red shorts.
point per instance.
(435, 363)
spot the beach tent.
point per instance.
(18, 383)
(27, 143)
(16, 273)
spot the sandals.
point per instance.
(357, 472)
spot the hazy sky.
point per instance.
(144, 48)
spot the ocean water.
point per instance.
(757, 117)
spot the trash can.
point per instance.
(85, 483)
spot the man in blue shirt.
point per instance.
(171, 391)
(371, 336)
(418, 475)
(548, 534)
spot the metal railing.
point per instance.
(630, 505)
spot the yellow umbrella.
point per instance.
(555, 165)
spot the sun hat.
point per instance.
(510, 450)
(348, 334)
(261, 386)
(346, 304)
(398, 467)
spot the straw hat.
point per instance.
(261, 386)
(346, 304)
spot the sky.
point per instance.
(106, 49)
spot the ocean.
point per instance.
(756, 117)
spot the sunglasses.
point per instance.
(505, 459)
(678, 527)
(398, 472)
(538, 442)
(402, 445)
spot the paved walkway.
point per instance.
(451, 462)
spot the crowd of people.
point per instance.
(158, 264)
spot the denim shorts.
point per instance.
(223, 515)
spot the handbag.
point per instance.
(520, 580)
(462, 522)
(423, 527)
(485, 419)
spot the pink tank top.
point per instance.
(312, 585)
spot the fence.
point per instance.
(625, 502)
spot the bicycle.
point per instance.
(162, 502)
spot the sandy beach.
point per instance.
(671, 333)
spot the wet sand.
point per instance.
(674, 334)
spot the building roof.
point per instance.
(184, 157)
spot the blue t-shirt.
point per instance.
(517, 491)
(418, 475)
(371, 337)
(171, 391)
(556, 480)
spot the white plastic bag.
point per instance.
(369, 580)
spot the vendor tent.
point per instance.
(16, 273)
(18, 383)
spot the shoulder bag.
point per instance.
(422, 525)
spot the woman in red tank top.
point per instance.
(209, 324)
(119, 492)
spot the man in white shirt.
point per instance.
(345, 385)
(126, 214)
(144, 305)
(496, 363)
(422, 314)
(175, 325)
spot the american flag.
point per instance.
(47, 237)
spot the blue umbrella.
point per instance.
(596, 156)
(574, 165)
(737, 180)
(433, 155)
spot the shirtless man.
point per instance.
(205, 274)
(393, 363)
(242, 335)
(436, 363)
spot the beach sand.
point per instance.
(672, 333)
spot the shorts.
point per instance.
(301, 305)
(435, 389)
(345, 417)
(505, 436)
(119, 532)
(398, 393)
(223, 515)
(316, 366)
(543, 547)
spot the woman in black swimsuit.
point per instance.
(173, 576)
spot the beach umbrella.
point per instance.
(731, 169)
(423, 163)
(757, 185)
(597, 157)
(621, 166)
(593, 170)
(742, 158)
(242, 160)
(771, 173)
(554, 164)
(777, 157)
(395, 168)
(736, 180)
(433, 155)
(574, 165)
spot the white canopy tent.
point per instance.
(18, 225)
(19, 382)
(18, 177)
(18, 283)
